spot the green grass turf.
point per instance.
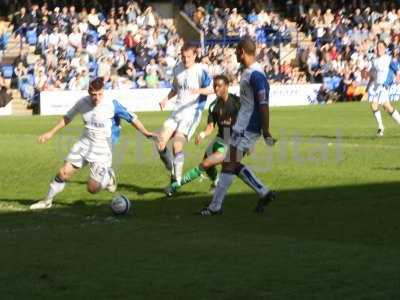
(333, 233)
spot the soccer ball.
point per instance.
(120, 205)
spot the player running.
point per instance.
(252, 121)
(101, 118)
(382, 74)
(191, 85)
(223, 112)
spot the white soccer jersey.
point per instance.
(254, 90)
(101, 121)
(381, 69)
(186, 80)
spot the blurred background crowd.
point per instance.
(131, 46)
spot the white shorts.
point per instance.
(378, 93)
(244, 140)
(185, 123)
(99, 159)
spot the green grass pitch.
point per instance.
(333, 233)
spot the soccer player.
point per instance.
(252, 121)
(100, 116)
(382, 74)
(191, 85)
(223, 112)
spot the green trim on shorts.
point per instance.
(219, 146)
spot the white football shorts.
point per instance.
(244, 140)
(378, 93)
(99, 158)
(185, 122)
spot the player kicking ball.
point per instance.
(101, 118)
(223, 112)
(191, 85)
(252, 121)
(382, 74)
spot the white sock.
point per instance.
(378, 118)
(252, 181)
(224, 182)
(178, 166)
(56, 186)
(396, 116)
(105, 181)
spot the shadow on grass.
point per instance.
(331, 212)
(141, 190)
(320, 243)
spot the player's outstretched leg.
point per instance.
(378, 118)
(215, 207)
(266, 196)
(178, 144)
(55, 187)
(392, 111)
(207, 165)
(166, 158)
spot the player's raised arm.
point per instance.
(140, 127)
(121, 112)
(49, 134)
(62, 123)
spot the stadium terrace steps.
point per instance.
(19, 106)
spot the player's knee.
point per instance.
(231, 167)
(375, 107)
(205, 165)
(93, 187)
(63, 174)
(178, 143)
(388, 108)
(161, 145)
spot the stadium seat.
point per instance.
(93, 35)
(31, 37)
(4, 40)
(260, 35)
(93, 68)
(7, 71)
(131, 56)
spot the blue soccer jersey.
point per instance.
(254, 90)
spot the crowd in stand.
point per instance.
(131, 47)
(343, 35)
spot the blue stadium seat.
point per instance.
(30, 79)
(93, 67)
(4, 40)
(7, 71)
(93, 35)
(131, 56)
(260, 35)
(31, 37)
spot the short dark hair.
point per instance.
(188, 46)
(248, 45)
(223, 78)
(96, 84)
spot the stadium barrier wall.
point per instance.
(6, 110)
(59, 102)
